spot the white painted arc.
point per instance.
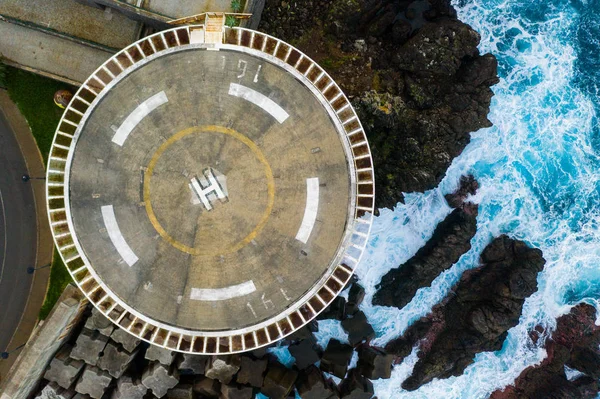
(260, 100)
(310, 210)
(220, 294)
(115, 235)
(137, 115)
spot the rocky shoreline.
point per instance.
(420, 87)
(412, 71)
(450, 240)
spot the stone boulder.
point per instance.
(97, 321)
(162, 355)
(374, 363)
(358, 328)
(223, 368)
(235, 392)
(207, 387)
(62, 369)
(252, 372)
(336, 358)
(159, 379)
(278, 382)
(305, 352)
(129, 388)
(88, 346)
(129, 341)
(355, 298)
(311, 385)
(181, 391)
(192, 364)
(93, 382)
(115, 359)
(356, 386)
(55, 391)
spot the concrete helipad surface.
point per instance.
(210, 201)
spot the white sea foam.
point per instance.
(572, 374)
(539, 179)
(283, 355)
(329, 329)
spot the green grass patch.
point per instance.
(231, 21)
(59, 278)
(3, 69)
(236, 6)
(34, 95)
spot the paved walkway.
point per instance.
(25, 238)
(48, 54)
(105, 27)
(180, 9)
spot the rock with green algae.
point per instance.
(415, 135)
(417, 79)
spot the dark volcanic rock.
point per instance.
(415, 137)
(438, 48)
(450, 240)
(475, 317)
(415, 134)
(468, 186)
(251, 371)
(416, 77)
(575, 344)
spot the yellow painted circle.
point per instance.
(215, 129)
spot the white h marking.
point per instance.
(204, 187)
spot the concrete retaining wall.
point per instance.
(31, 364)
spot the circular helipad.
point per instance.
(210, 198)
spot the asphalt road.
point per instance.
(18, 235)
